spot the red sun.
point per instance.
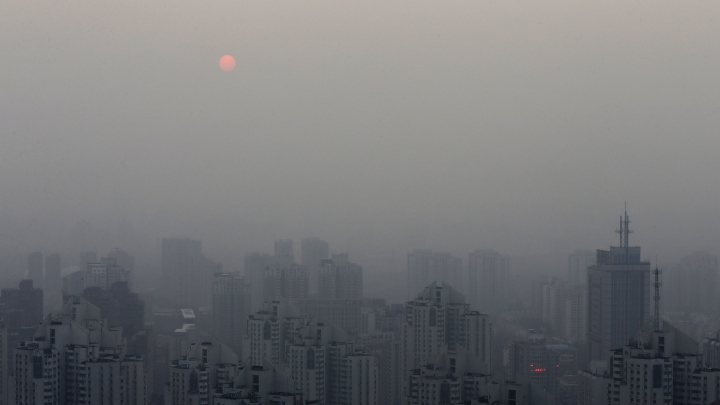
(227, 63)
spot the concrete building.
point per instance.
(187, 273)
(231, 302)
(263, 385)
(354, 316)
(74, 358)
(35, 268)
(200, 372)
(488, 279)
(619, 296)
(254, 272)
(22, 307)
(284, 251)
(269, 329)
(53, 281)
(578, 263)
(285, 281)
(338, 278)
(385, 347)
(425, 266)
(314, 251)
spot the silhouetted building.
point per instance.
(35, 268)
(692, 284)
(578, 263)
(23, 306)
(53, 281)
(314, 251)
(488, 278)
(619, 296)
(119, 306)
(254, 271)
(187, 273)
(230, 308)
(340, 279)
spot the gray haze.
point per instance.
(381, 127)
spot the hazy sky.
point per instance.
(516, 125)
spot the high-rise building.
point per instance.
(269, 329)
(693, 283)
(204, 368)
(119, 306)
(619, 296)
(660, 365)
(35, 268)
(340, 279)
(4, 366)
(578, 263)
(426, 266)
(314, 251)
(254, 271)
(124, 260)
(282, 281)
(284, 251)
(564, 310)
(488, 278)
(187, 273)
(74, 358)
(385, 346)
(22, 307)
(231, 307)
(347, 314)
(53, 281)
(534, 360)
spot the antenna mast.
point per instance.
(657, 285)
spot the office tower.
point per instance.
(204, 368)
(254, 271)
(340, 279)
(35, 268)
(187, 273)
(283, 281)
(230, 309)
(693, 283)
(284, 251)
(74, 358)
(488, 277)
(578, 263)
(619, 297)
(425, 267)
(269, 329)
(314, 251)
(660, 365)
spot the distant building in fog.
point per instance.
(425, 266)
(284, 250)
(692, 284)
(187, 273)
(314, 251)
(285, 282)
(102, 275)
(340, 279)
(619, 296)
(35, 268)
(488, 279)
(578, 263)
(231, 307)
(254, 271)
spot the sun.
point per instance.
(227, 63)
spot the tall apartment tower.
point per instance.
(53, 281)
(230, 308)
(187, 273)
(314, 251)
(35, 268)
(619, 295)
(340, 279)
(425, 266)
(283, 281)
(578, 263)
(269, 329)
(74, 358)
(284, 250)
(254, 270)
(488, 279)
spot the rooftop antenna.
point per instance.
(657, 284)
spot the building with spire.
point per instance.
(619, 295)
